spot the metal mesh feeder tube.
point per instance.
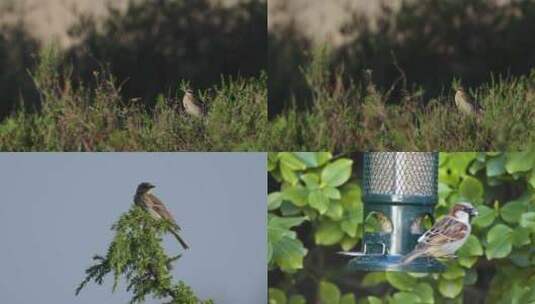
(399, 195)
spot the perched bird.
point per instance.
(156, 208)
(191, 105)
(466, 104)
(446, 236)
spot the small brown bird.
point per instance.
(446, 236)
(465, 104)
(191, 105)
(156, 208)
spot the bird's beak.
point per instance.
(473, 212)
(151, 186)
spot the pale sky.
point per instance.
(56, 211)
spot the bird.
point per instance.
(466, 104)
(446, 236)
(150, 203)
(191, 105)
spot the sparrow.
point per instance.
(150, 203)
(446, 236)
(465, 104)
(191, 105)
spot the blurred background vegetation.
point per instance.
(383, 80)
(139, 54)
(315, 210)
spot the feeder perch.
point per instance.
(400, 192)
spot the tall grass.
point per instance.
(348, 116)
(75, 117)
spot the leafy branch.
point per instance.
(137, 255)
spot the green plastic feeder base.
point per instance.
(393, 263)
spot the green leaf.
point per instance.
(512, 211)
(527, 220)
(348, 298)
(425, 293)
(287, 251)
(312, 181)
(401, 280)
(328, 233)
(467, 261)
(313, 159)
(496, 165)
(288, 174)
(519, 161)
(335, 211)
(453, 272)
(337, 173)
(319, 201)
(272, 161)
(471, 189)
(286, 222)
(472, 247)
(374, 300)
(532, 179)
(332, 193)
(450, 288)
(406, 297)
(297, 299)
(276, 296)
(348, 243)
(485, 218)
(499, 239)
(521, 237)
(373, 279)
(351, 195)
(274, 200)
(350, 226)
(290, 160)
(329, 293)
(297, 194)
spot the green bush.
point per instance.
(315, 210)
(136, 254)
(349, 116)
(73, 117)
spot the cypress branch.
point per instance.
(136, 255)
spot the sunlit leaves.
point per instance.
(337, 173)
(328, 233)
(285, 250)
(471, 189)
(519, 161)
(500, 241)
(450, 288)
(485, 218)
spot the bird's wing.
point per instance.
(159, 207)
(447, 230)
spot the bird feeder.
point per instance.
(399, 193)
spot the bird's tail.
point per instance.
(179, 239)
(411, 256)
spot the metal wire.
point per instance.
(401, 174)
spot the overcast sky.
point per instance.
(56, 211)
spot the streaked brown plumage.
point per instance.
(156, 208)
(466, 104)
(191, 105)
(446, 236)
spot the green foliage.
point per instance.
(351, 115)
(137, 255)
(496, 265)
(75, 118)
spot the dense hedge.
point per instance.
(315, 210)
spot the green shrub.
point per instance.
(349, 116)
(73, 117)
